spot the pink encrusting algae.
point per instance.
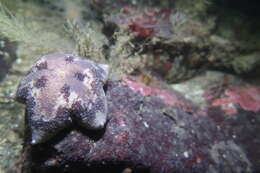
(247, 97)
(150, 22)
(167, 96)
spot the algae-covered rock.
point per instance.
(169, 40)
(11, 126)
(147, 132)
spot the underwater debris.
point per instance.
(60, 89)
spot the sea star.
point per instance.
(61, 89)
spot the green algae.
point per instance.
(32, 34)
(11, 126)
(245, 63)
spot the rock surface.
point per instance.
(145, 134)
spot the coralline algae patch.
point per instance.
(151, 22)
(246, 97)
(167, 96)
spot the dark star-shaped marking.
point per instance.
(59, 89)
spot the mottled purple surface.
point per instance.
(146, 135)
(61, 89)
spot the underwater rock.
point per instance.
(247, 97)
(166, 43)
(164, 94)
(150, 23)
(146, 134)
(61, 89)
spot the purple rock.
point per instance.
(144, 134)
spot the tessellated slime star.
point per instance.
(61, 89)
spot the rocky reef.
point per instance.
(145, 134)
(198, 48)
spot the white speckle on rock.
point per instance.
(99, 121)
(146, 124)
(186, 154)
